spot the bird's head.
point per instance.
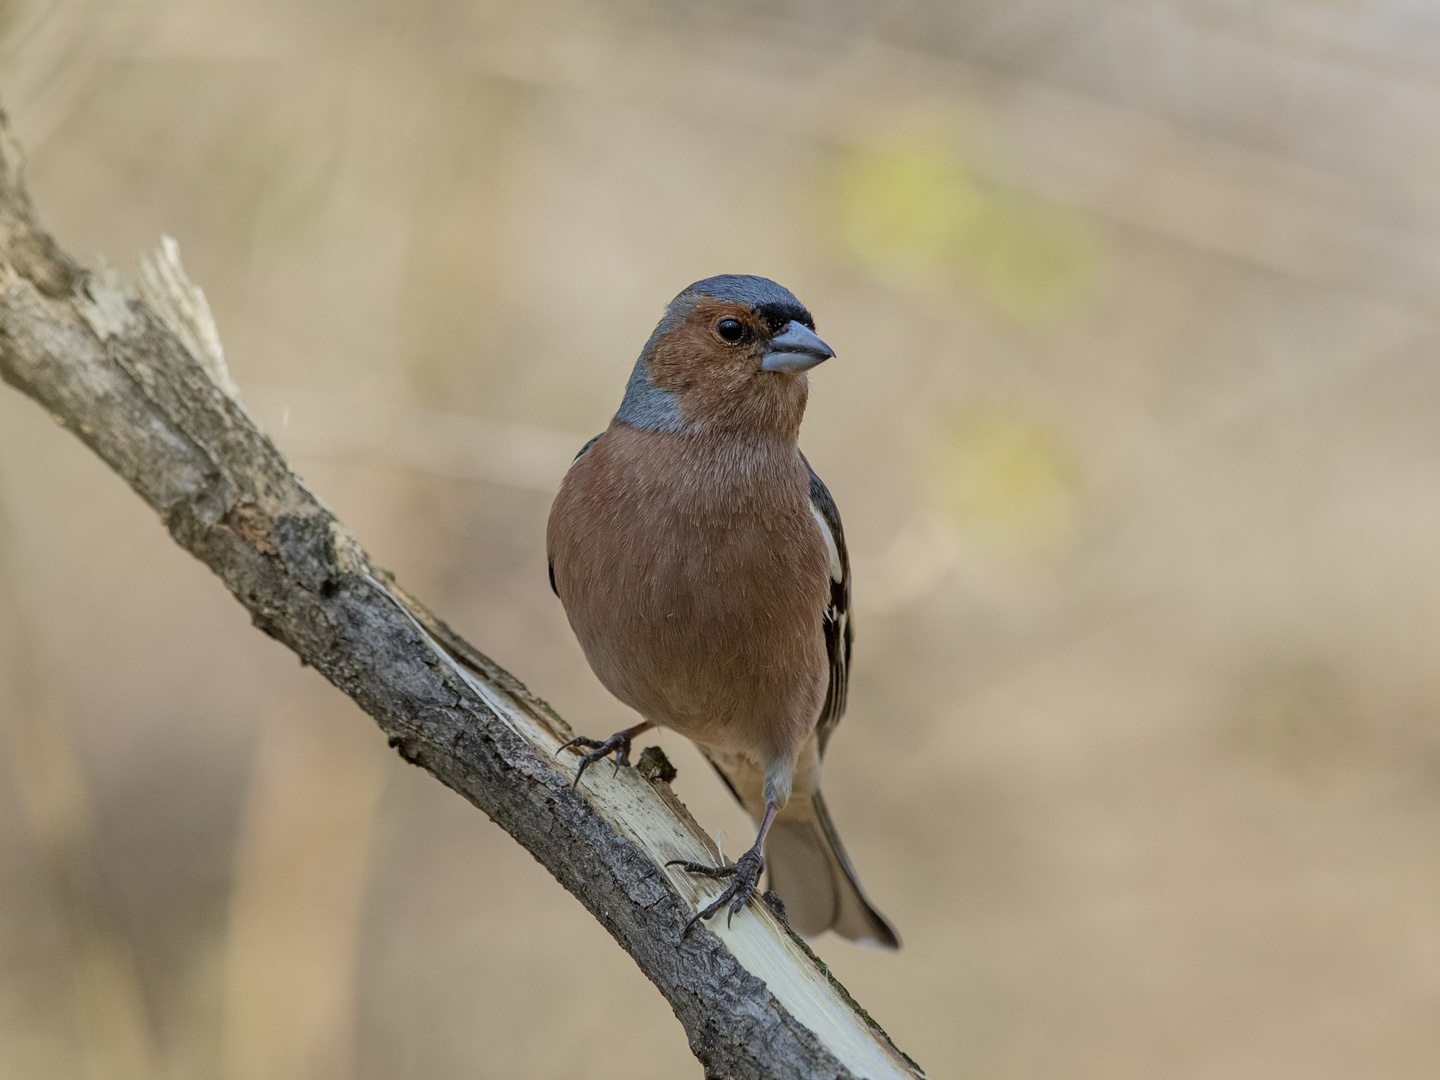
(730, 355)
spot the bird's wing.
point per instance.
(576, 458)
(587, 446)
(838, 634)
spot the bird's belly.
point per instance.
(709, 637)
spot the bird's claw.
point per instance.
(746, 871)
(618, 744)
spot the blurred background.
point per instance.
(1132, 425)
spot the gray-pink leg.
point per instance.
(746, 871)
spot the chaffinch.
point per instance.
(702, 565)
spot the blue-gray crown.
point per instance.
(775, 302)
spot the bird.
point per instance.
(702, 565)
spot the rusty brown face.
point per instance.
(728, 362)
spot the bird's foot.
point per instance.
(745, 870)
(617, 744)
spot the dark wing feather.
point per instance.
(587, 446)
(576, 458)
(838, 633)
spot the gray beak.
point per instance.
(796, 349)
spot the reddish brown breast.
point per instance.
(695, 577)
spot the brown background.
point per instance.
(1133, 425)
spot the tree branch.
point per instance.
(143, 383)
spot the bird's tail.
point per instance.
(814, 879)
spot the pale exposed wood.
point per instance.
(122, 375)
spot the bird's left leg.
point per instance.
(745, 870)
(617, 744)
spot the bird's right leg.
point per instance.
(618, 744)
(745, 870)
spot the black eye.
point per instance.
(732, 330)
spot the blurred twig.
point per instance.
(295, 908)
(395, 435)
(116, 1036)
(62, 43)
(754, 1001)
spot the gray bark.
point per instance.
(144, 386)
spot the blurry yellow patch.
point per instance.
(900, 211)
(1007, 481)
(918, 213)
